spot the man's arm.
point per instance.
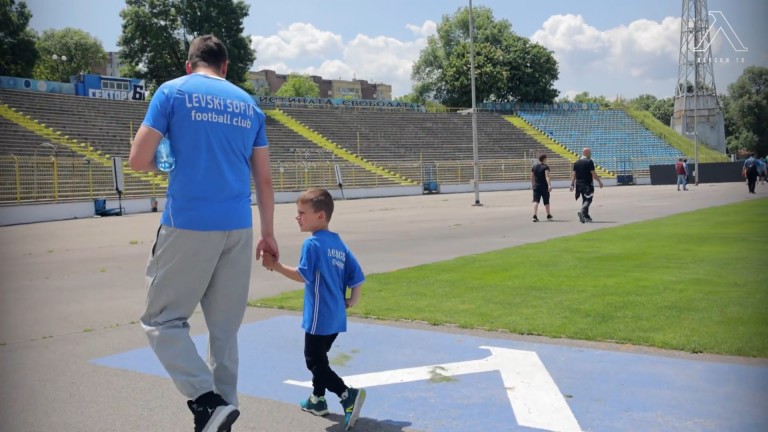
(573, 179)
(142, 157)
(597, 177)
(265, 200)
(532, 180)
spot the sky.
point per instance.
(604, 47)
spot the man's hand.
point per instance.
(268, 261)
(267, 245)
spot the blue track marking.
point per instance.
(605, 390)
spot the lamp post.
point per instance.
(695, 156)
(474, 107)
(57, 59)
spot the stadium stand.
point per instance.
(445, 139)
(618, 142)
(372, 147)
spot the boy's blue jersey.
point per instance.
(328, 268)
(213, 127)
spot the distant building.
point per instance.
(268, 82)
(111, 68)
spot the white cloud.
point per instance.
(296, 41)
(303, 48)
(624, 59)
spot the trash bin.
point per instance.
(429, 175)
(99, 205)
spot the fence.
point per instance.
(57, 178)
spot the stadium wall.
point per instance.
(717, 172)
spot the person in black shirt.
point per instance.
(541, 186)
(581, 180)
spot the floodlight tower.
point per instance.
(697, 112)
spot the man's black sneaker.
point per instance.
(588, 219)
(582, 219)
(212, 413)
(549, 217)
(535, 218)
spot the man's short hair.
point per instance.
(207, 50)
(320, 200)
(542, 157)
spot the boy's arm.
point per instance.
(353, 299)
(291, 273)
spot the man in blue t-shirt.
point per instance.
(203, 249)
(327, 268)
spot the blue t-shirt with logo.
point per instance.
(213, 127)
(328, 268)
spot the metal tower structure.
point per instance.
(697, 113)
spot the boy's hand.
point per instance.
(350, 302)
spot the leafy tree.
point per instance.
(18, 53)
(82, 51)
(299, 85)
(584, 97)
(747, 108)
(663, 109)
(508, 67)
(644, 102)
(157, 33)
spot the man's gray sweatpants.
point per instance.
(187, 268)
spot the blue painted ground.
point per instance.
(606, 390)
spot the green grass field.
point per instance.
(694, 282)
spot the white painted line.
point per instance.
(535, 398)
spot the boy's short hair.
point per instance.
(207, 50)
(320, 200)
(542, 157)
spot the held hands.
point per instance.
(267, 245)
(269, 261)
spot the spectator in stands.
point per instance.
(687, 174)
(681, 171)
(750, 172)
(541, 185)
(582, 178)
(203, 249)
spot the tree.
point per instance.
(157, 33)
(663, 109)
(82, 51)
(584, 97)
(644, 102)
(508, 67)
(747, 108)
(300, 86)
(18, 53)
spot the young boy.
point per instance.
(327, 268)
